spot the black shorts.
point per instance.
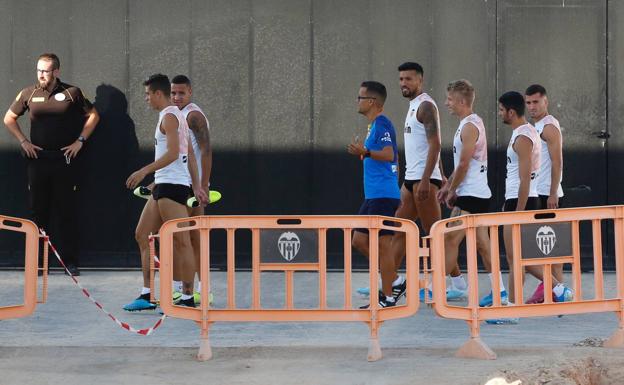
(543, 202)
(176, 192)
(379, 206)
(409, 184)
(473, 205)
(532, 204)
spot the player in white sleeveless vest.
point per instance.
(467, 190)
(172, 180)
(523, 162)
(423, 177)
(550, 174)
(181, 95)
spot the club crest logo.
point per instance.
(288, 245)
(546, 239)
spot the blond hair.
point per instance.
(464, 88)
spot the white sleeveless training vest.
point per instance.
(176, 172)
(196, 150)
(543, 180)
(512, 179)
(475, 183)
(416, 145)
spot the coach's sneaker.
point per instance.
(566, 295)
(383, 301)
(421, 294)
(454, 294)
(487, 300)
(538, 295)
(141, 303)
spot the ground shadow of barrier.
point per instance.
(288, 244)
(540, 238)
(31, 267)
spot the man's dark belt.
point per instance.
(50, 154)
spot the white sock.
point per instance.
(145, 290)
(186, 296)
(399, 281)
(500, 281)
(199, 287)
(459, 282)
(177, 286)
(390, 299)
(558, 290)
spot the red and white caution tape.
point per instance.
(123, 325)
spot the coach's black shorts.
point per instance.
(543, 202)
(532, 204)
(473, 205)
(176, 192)
(409, 184)
(379, 206)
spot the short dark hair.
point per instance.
(158, 82)
(56, 63)
(377, 89)
(181, 79)
(535, 89)
(513, 100)
(412, 66)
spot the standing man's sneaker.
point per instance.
(538, 295)
(487, 300)
(141, 303)
(176, 296)
(503, 321)
(566, 296)
(74, 270)
(383, 301)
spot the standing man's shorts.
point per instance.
(379, 206)
(176, 192)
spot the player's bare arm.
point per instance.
(428, 115)
(552, 136)
(469, 136)
(198, 124)
(523, 146)
(169, 127)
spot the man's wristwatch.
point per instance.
(82, 139)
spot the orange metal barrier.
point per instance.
(530, 228)
(265, 230)
(31, 260)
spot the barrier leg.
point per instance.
(475, 347)
(205, 351)
(374, 350)
(617, 338)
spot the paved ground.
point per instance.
(68, 341)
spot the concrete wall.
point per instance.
(278, 80)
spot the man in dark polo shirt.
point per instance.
(61, 120)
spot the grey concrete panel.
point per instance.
(615, 100)
(220, 70)
(341, 63)
(38, 27)
(563, 47)
(464, 47)
(159, 43)
(281, 65)
(99, 45)
(400, 31)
